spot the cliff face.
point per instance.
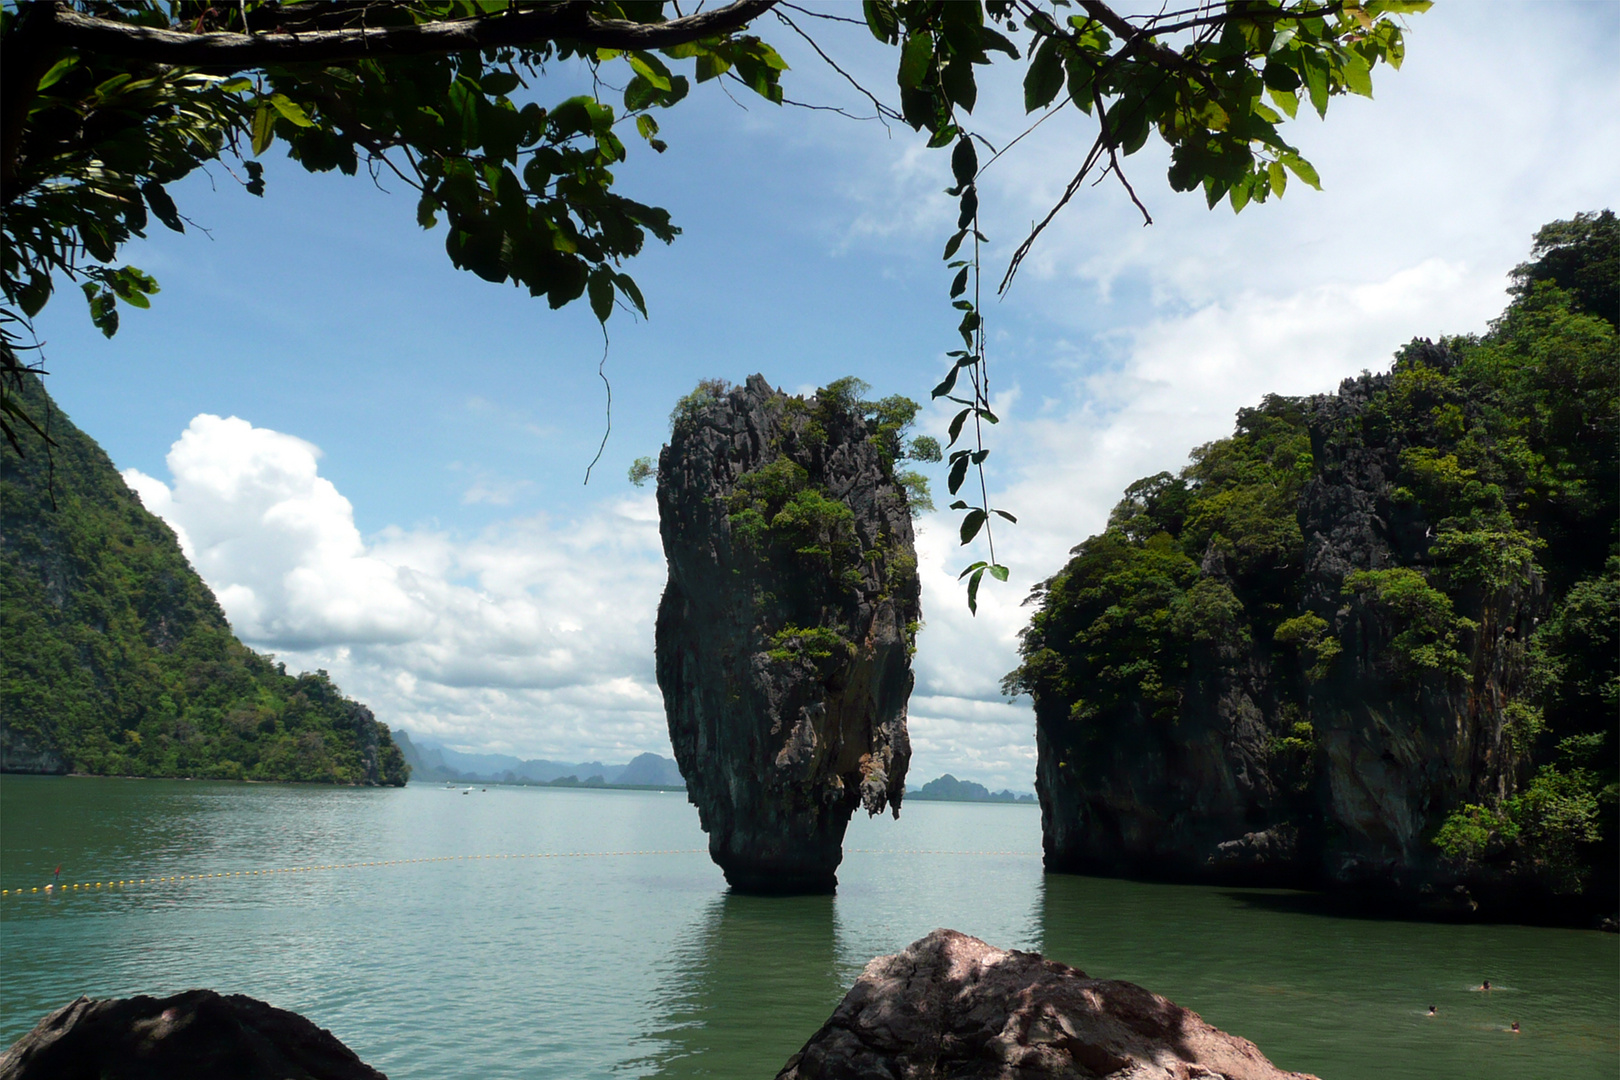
(117, 659)
(784, 634)
(1366, 643)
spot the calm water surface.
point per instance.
(642, 965)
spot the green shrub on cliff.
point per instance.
(117, 660)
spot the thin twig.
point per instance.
(883, 110)
(600, 364)
(823, 15)
(828, 108)
(1068, 193)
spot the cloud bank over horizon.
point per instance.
(534, 637)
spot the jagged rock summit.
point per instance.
(199, 1033)
(785, 633)
(951, 1005)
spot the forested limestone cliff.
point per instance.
(1370, 641)
(784, 637)
(115, 657)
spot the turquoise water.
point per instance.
(629, 965)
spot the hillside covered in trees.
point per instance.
(1369, 641)
(116, 658)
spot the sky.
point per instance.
(377, 462)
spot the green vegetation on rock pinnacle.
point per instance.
(1418, 575)
(117, 659)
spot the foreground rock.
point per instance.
(195, 1034)
(784, 635)
(952, 1006)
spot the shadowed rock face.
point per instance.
(195, 1034)
(785, 632)
(950, 1005)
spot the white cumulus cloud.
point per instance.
(534, 637)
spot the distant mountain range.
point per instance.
(431, 760)
(949, 789)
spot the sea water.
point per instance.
(533, 932)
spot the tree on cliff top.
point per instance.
(105, 103)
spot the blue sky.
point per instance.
(376, 460)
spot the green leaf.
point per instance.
(958, 473)
(1316, 80)
(291, 110)
(103, 308)
(601, 293)
(997, 571)
(31, 297)
(970, 207)
(57, 70)
(1302, 169)
(1279, 177)
(955, 242)
(499, 83)
(711, 66)
(882, 20)
(958, 287)
(1279, 76)
(1240, 194)
(964, 161)
(163, 206)
(916, 56)
(630, 289)
(264, 130)
(1357, 75)
(651, 68)
(1044, 78)
(990, 38)
(973, 590)
(971, 524)
(1286, 100)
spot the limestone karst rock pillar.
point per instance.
(785, 632)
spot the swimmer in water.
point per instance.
(1486, 985)
(1434, 1010)
(1515, 1027)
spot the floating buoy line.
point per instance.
(92, 886)
(170, 879)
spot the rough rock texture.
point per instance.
(1398, 754)
(195, 1034)
(1209, 796)
(785, 632)
(952, 1006)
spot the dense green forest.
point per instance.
(1491, 597)
(116, 658)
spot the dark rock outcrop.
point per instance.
(950, 1005)
(785, 632)
(199, 1033)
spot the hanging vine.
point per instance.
(971, 359)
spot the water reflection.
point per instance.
(749, 982)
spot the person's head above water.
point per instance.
(1433, 1009)
(1515, 1027)
(1486, 985)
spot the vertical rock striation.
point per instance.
(785, 633)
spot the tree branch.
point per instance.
(217, 50)
(1138, 39)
